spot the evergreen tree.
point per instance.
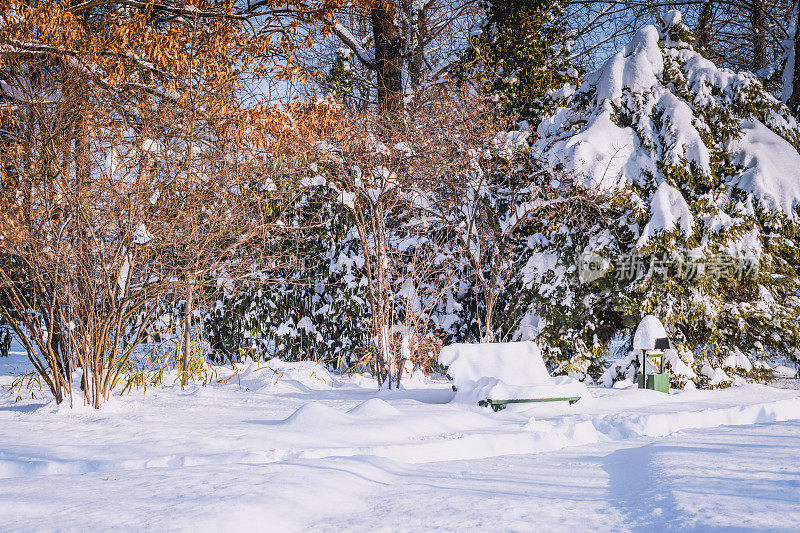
(520, 54)
(339, 82)
(701, 225)
(315, 308)
(518, 61)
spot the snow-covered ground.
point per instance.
(290, 447)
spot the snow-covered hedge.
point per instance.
(680, 183)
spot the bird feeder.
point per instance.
(649, 344)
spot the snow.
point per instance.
(151, 146)
(551, 124)
(603, 155)
(374, 408)
(683, 140)
(355, 45)
(112, 162)
(141, 235)
(608, 155)
(405, 148)
(504, 371)
(668, 211)
(672, 18)
(507, 143)
(315, 181)
(648, 330)
(678, 367)
(636, 68)
(347, 199)
(122, 279)
(716, 376)
(771, 168)
(315, 414)
(704, 78)
(299, 448)
(537, 266)
(623, 384)
(749, 246)
(639, 128)
(737, 360)
(517, 363)
(725, 478)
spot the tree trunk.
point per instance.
(491, 300)
(794, 98)
(187, 335)
(758, 18)
(384, 337)
(704, 25)
(419, 29)
(388, 56)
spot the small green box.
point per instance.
(659, 382)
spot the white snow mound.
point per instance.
(373, 408)
(285, 375)
(316, 413)
(504, 371)
(516, 363)
(649, 329)
(636, 68)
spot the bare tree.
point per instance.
(127, 166)
(401, 47)
(394, 185)
(219, 221)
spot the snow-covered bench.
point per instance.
(497, 374)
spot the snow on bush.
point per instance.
(651, 107)
(276, 373)
(677, 363)
(669, 211)
(300, 316)
(770, 166)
